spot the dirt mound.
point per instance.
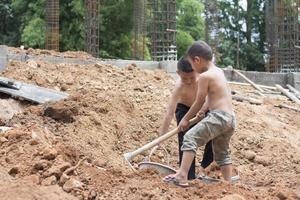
(78, 143)
(20, 190)
(41, 52)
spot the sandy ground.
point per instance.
(112, 111)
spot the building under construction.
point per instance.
(52, 25)
(283, 35)
(91, 25)
(162, 29)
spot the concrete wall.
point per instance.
(3, 57)
(263, 78)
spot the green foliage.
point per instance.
(72, 27)
(7, 26)
(183, 41)
(190, 18)
(116, 28)
(34, 33)
(247, 24)
(22, 22)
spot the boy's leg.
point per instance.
(199, 135)
(187, 160)
(208, 155)
(181, 110)
(226, 172)
(192, 169)
(215, 125)
(222, 154)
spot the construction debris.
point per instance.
(29, 92)
(249, 81)
(288, 107)
(292, 89)
(248, 99)
(288, 94)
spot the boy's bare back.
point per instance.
(213, 81)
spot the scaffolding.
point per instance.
(283, 35)
(163, 29)
(52, 25)
(139, 29)
(92, 27)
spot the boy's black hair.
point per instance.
(201, 49)
(183, 65)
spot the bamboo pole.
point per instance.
(294, 90)
(248, 80)
(249, 99)
(288, 107)
(288, 94)
(247, 84)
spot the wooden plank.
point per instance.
(294, 90)
(31, 92)
(247, 84)
(248, 99)
(248, 80)
(288, 107)
(288, 94)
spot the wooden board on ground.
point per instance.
(288, 107)
(294, 90)
(249, 81)
(30, 92)
(249, 99)
(288, 94)
(247, 84)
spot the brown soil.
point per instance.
(112, 111)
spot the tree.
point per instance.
(190, 18)
(183, 40)
(247, 26)
(72, 25)
(190, 24)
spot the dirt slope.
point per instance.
(112, 111)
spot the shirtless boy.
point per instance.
(180, 102)
(219, 124)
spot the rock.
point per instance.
(233, 197)
(3, 139)
(63, 179)
(34, 142)
(281, 195)
(58, 170)
(92, 195)
(52, 180)
(32, 178)
(41, 165)
(250, 155)
(265, 161)
(100, 163)
(14, 171)
(32, 64)
(72, 184)
(61, 112)
(49, 154)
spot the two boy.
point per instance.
(183, 96)
(218, 125)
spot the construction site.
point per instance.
(74, 125)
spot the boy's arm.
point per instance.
(198, 103)
(169, 112)
(204, 108)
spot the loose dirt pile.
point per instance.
(75, 146)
